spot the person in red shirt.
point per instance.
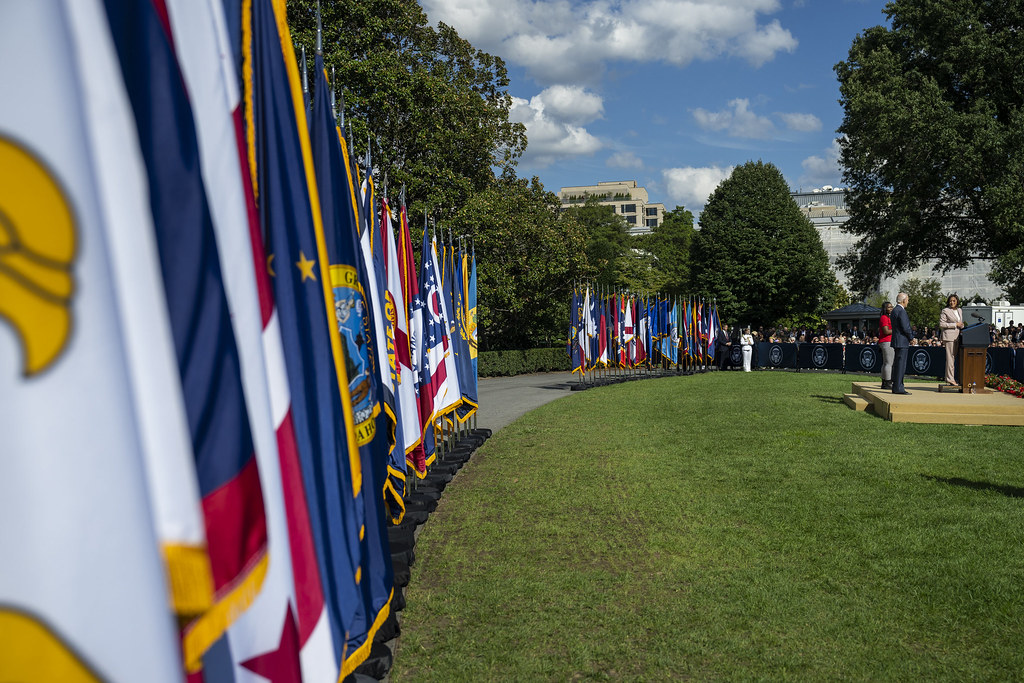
(885, 343)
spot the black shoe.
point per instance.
(905, 392)
(887, 384)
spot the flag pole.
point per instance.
(319, 31)
(305, 76)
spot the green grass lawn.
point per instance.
(723, 526)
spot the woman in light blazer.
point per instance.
(951, 321)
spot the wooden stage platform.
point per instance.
(927, 404)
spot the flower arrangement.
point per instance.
(1005, 384)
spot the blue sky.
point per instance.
(672, 93)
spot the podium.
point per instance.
(974, 341)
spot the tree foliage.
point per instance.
(607, 241)
(933, 132)
(528, 257)
(757, 253)
(669, 244)
(926, 302)
(434, 107)
(638, 271)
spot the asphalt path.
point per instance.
(503, 399)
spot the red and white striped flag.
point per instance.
(286, 629)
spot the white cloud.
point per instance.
(561, 41)
(761, 45)
(571, 104)
(624, 159)
(553, 120)
(691, 186)
(822, 170)
(805, 123)
(737, 122)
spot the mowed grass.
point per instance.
(723, 526)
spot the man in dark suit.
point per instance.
(722, 349)
(901, 336)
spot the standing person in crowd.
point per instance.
(722, 346)
(901, 336)
(885, 343)
(747, 346)
(951, 321)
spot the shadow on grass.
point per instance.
(827, 399)
(1009, 491)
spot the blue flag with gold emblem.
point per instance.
(465, 351)
(354, 324)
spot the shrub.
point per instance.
(521, 361)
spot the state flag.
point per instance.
(286, 628)
(282, 171)
(204, 340)
(79, 526)
(465, 325)
(416, 457)
(410, 429)
(356, 323)
(434, 378)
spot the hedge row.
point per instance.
(520, 362)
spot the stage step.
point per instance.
(927, 404)
(856, 402)
(995, 419)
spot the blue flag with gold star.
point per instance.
(290, 216)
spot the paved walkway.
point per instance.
(503, 399)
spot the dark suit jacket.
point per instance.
(901, 332)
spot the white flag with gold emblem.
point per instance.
(83, 589)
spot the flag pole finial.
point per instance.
(334, 95)
(305, 74)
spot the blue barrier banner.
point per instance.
(820, 356)
(1018, 366)
(775, 355)
(999, 361)
(863, 358)
(734, 359)
(926, 361)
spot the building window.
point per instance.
(631, 220)
(652, 211)
(652, 222)
(629, 208)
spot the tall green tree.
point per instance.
(434, 107)
(757, 253)
(607, 242)
(528, 258)
(926, 302)
(669, 244)
(933, 130)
